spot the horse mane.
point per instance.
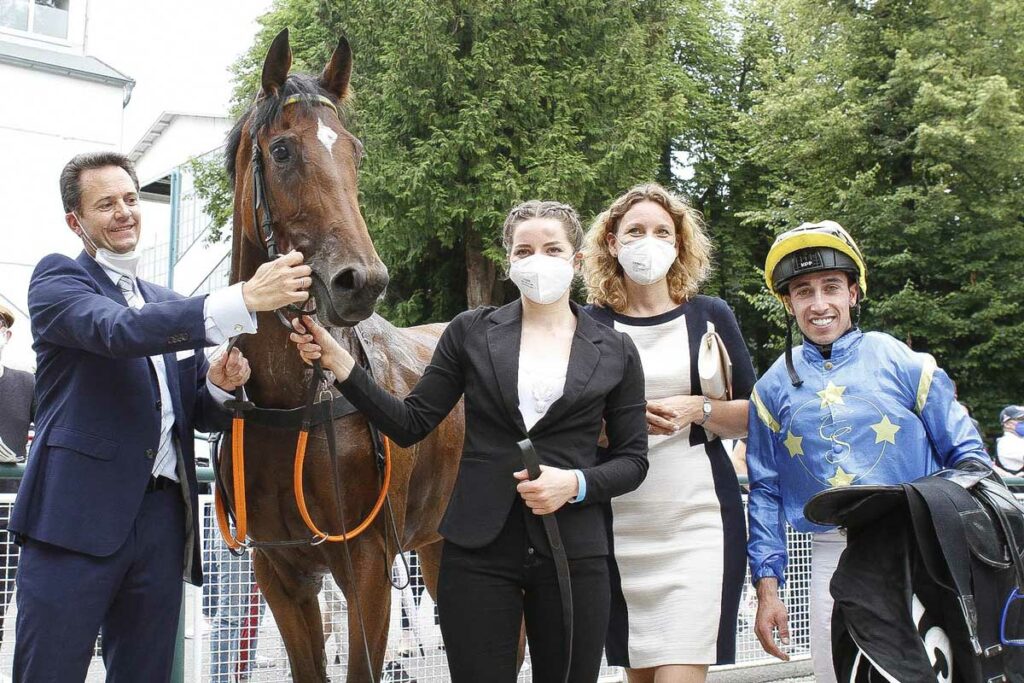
(267, 110)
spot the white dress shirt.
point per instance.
(226, 316)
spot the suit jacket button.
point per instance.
(150, 453)
(159, 405)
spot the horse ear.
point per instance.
(276, 65)
(336, 74)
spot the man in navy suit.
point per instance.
(107, 510)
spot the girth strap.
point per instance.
(532, 461)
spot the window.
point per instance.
(42, 17)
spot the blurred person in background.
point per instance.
(1010, 446)
(17, 409)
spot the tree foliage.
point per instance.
(901, 120)
(469, 107)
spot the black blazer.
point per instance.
(478, 355)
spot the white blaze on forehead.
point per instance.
(326, 136)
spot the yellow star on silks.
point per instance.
(841, 479)
(794, 444)
(831, 394)
(885, 431)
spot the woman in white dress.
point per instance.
(678, 552)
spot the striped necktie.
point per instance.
(163, 463)
(127, 287)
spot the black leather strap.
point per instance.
(321, 413)
(532, 462)
(940, 496)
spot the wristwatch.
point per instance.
(707, 412)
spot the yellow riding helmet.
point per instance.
(811, 248)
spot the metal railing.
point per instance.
(227, 634)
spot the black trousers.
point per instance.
(484, 594)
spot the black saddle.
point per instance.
(959, 538)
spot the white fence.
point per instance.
(233, 637)
(230, 634)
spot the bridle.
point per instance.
(321, 408)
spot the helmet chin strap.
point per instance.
(794, 378)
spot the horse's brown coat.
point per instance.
(314, 203)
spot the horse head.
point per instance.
(294, 167)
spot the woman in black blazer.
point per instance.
(537, 368)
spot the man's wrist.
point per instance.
(767, 588)
(246, 297)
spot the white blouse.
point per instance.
(541, 383)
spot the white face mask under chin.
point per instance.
(647, 260)
(126, 263)
(541, 278)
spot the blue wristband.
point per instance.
(582, 481)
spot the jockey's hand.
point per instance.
(228, 371)
(771, 615)
(548, 492)
(278, 283)
(313, 342)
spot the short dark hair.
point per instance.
(71, 176)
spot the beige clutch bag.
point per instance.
(714, 367)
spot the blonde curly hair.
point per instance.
(604, 275)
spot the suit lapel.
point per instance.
(107, 286)
(503, 341)
(583, 358)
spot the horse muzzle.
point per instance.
(350, 294)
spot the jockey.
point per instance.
(844, 407)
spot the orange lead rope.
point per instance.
(300, 496)
(237, 539)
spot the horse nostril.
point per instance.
(351, 279)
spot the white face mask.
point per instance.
(541, 278)
(647, 260)
(126, 263)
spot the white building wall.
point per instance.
(67, 116)
(57, 117)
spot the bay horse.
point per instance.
(308, 184)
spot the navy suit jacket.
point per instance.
(98, 417)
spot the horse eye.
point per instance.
(280, 153)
